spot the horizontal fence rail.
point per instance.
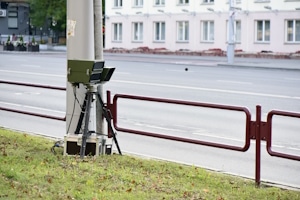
(256, 130)
(269, 138)
(31, 113)
(186, 103)
(33, 85)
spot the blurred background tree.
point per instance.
(51, 12)
(48, 16)
(51, 15)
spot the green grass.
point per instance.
(28, 170)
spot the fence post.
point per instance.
(258, 145)
(108, 105)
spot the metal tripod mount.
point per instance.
(90, 73)
(85, 114)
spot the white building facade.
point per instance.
(198, 25)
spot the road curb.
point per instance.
(257, 66)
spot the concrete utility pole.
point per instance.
(231, 33)
(80, 46)
(98, 40)
(84, 42)
(98, 29)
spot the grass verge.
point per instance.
(28, 170)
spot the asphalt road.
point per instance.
(169, 77)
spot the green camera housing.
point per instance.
(88, 72)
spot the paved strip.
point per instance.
(208, 89)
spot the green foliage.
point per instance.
(46, 11)
(29, 170)
(20, 42)
(21, 39)
(8, 42)
(33, 42)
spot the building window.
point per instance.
(183, 2)
(159, 2)
(159, 31)
(208, 1)
(138, 31)
(293, 31)
(12, 17)
(118, 3)
(138, 3)
(263, 31)
(183, 31)
(117, 32)
(237, 26)
(208, 31)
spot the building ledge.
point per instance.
(209, 52)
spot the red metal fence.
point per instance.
(256, 130)
(113, 107)
(31, 113)
(269, 132)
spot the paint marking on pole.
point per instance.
(71, 24)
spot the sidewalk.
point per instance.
(283, 64)
(274, 63)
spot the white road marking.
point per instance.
(31, 107)
(182, 63)
(195, 63)
(293, 148)
(44, 109)
(30, 93)
(155, 127)
(11, 104)
(206, 133)
(235, 82)
(35, 66)
(242, 141)
(174, 70)
(126, 73)
(31, 73)
(218, 137)
(209, 89)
